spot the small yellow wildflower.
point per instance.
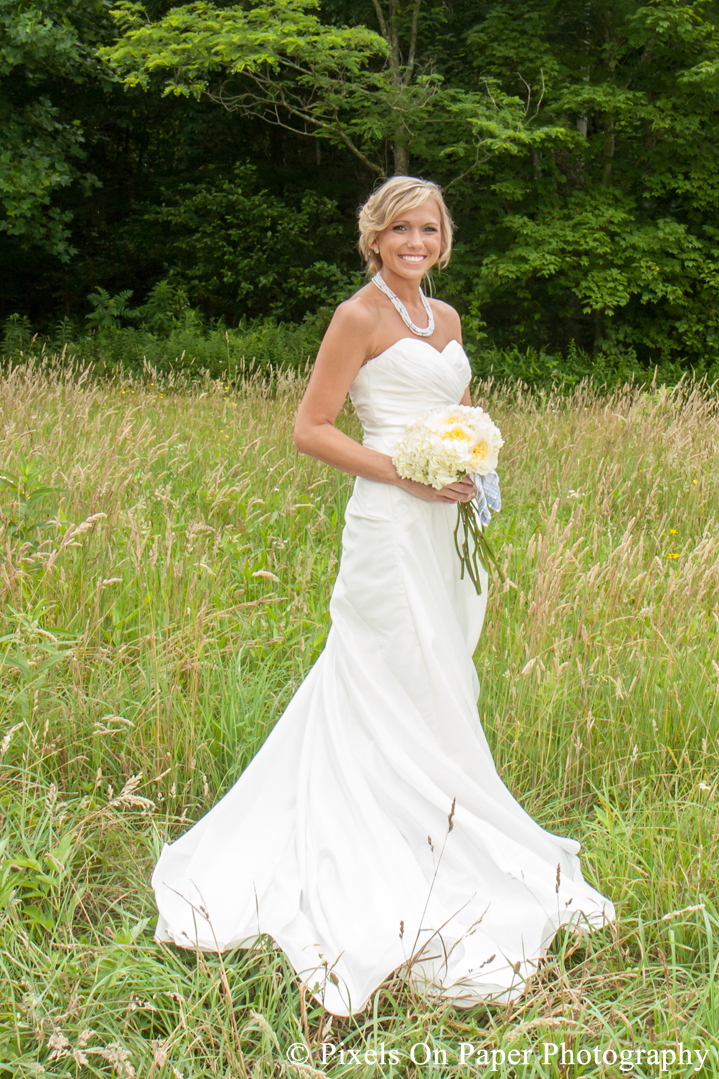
(672, 531)
(672, 555)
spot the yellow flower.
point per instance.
(672, 531)
(458, 433)
(672, 555)
(481, 453)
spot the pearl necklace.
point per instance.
(401, 310)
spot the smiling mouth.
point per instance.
(413, 258)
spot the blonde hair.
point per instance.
(388, 202)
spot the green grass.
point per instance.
(167, 561)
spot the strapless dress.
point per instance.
(371, 835)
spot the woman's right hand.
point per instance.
(462, 490)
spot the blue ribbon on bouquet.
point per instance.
(488, 496)
(475, 549)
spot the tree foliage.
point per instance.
(614, 233)
(260, 252)
(45, 49)
(278, 61)
(232, 142)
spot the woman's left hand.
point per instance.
(462, 490)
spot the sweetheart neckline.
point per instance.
(439, 351)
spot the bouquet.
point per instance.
(443, 446)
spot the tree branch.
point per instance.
(393, 42)
(413, 39)
(463, 175)
(381, 20)
(267, 108)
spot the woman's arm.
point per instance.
(341, 354)
(345, 346)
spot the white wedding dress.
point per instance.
(336, 840)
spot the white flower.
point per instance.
(448, 443)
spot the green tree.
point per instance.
(239, 250)
(613, 231)
(576, 139)
(47, 49)
(351, 85)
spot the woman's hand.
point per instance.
(460, 491)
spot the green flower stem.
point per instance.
(478, 552)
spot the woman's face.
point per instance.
(411, 243)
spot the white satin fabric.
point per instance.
(335, 840)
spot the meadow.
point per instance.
(166, 563)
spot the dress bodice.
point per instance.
(403, 383)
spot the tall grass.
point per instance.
(167, 561)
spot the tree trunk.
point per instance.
(608, 153)
(401, 156)
(598, 320)
(401, 74)
(582, 120)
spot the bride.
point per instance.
(372, 834)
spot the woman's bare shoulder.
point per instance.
(352, 326)
(359, 310)
(447, 317)
(348, 339)
(440, 307)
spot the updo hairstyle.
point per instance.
(388, 202)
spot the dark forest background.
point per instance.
(179, 178)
